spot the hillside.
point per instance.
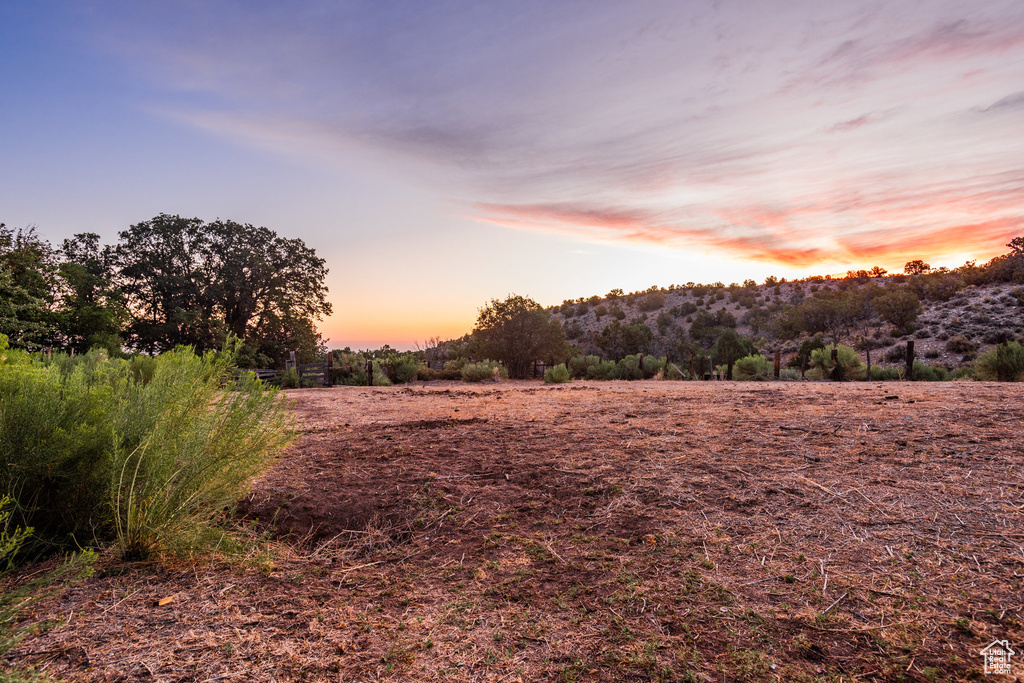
(956, 318)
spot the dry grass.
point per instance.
(605, 531)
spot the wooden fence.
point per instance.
(316, 374)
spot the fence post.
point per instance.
(369, 373)
(692, 376)
(330, 370)
(778, 363)
(910, 360)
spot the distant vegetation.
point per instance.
(950, 314)
(168, 281)
(176, 281)
(732, 331)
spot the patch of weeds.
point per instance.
(750, 665)
(963, 625)
(692, 581)
(573, 671)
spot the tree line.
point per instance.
(864, 309)
(167, 282)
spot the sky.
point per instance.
(442, 154)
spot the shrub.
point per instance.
(896, 354)
(291, 380)
(881, 373)
(848, 361)
(89, 453)
(578, 365)
(450, 373)
(425, 373)
(558, 374)
(789, 374)
(380, 375)
(407, 371)
(930, 373)
(753, 368)
(11, 539)
(629, 368)
(651, 366)
(1002, 363)
(456, 363)
(807, 346)
(604, 370)
(485, 370)
(965, 373)
(652, 301)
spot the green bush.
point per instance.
(425, 373)
(1001, 363)
(965, 373)
(629, 368)
(929, 373)
(604, 370)
(578, 365)
(90, 454)
(11, 537)
(406, 371)
(380, 375)
(753, 368)
(652, 366)
(850, 365)
(882, 373)
(479, 372)
(558, 374)
(291, 380)
(789, 374)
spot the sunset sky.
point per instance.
(442, 153)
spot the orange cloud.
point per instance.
(767, 235)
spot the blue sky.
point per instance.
(441, 154)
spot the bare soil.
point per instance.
(676, 531)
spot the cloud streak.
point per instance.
(803, 133)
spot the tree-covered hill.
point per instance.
(951, 314)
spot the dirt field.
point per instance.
(596, 532)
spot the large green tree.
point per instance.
(898, 306)
(618, 340)
(518, 331)
(91, 312)
(190, 282)
(27, 287)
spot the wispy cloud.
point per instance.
(802, 133)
